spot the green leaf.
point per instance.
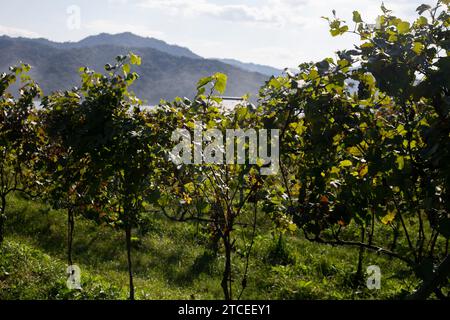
(356, 17)
(220, 82)
(203, 82)
(421, 21)
(344, 29)
(367, 45)
(422, 8)
(338, 32)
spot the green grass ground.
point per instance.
(171, 261)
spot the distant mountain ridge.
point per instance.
(263, 69)
(125, 39)
(167, 71)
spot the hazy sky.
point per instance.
(281, 33)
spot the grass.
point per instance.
(172, 261)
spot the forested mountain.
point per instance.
(167, 71)
(125, 39)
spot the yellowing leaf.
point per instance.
(393, 38)
(260, 162)
(400, 162)
(126, 69)
(187, 199)
(313, 74)
(189, 187)
(363, 171)
(292, 227)
(401, 130)
(418, 47)
(296, 188)
(345, 163)
(335, 170)
(354, 151)
(135, 59)
(403, 27)
(324, 199)
(389, 217)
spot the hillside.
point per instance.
(171, 262)
(163, 75)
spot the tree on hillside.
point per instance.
(215, 192)
(101, 149)
(365, 140)
(20, 139)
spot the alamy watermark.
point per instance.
(73, 277)
(374, 277)
(224, 150)
(73, 21)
